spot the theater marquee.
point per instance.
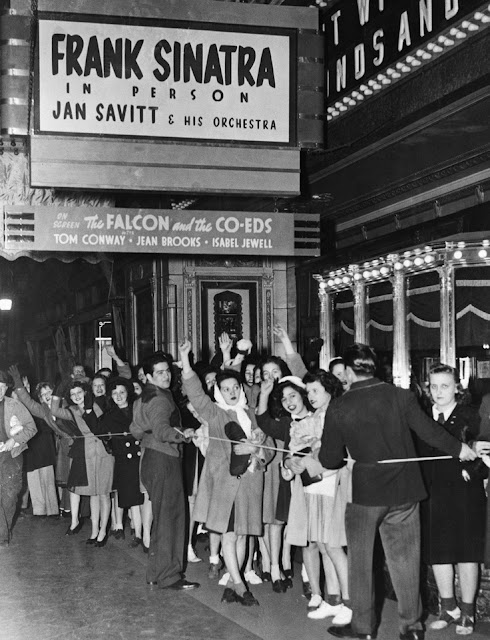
(193, 97)
(164, 80)
(89, 229)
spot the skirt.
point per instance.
(100, 470)
(272, 480)
(324, 521)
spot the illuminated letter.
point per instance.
(363, 6)
(359, 61)
(452, 8)
(335, 19)
(379, 47)
(341, 73)
(404, 33)
(425, 16)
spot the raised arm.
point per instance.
(201, 402)
(123, 368)
(291, 356)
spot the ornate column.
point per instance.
(191, 323)
(448, 315)
(172, 329)
(360, 328)
(326, 327)
(401, 366)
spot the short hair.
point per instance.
(334, 362)
(105, 372)
(285, 370)
(329, 382)
(40, 386)
(74, 384)
(226, 374)
(361, 358)
(277, 410)
(123, 382)
(462, 395)
(149, 364)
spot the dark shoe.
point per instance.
(119, 534)
(183, 585)
(278, 586)
(306, 590)
(288, 583)
(91, 541)
(247, 600)
(266, 576)
(72, 532)
(145, 549)
(348, 632)
(288, 573)
(135, 542)
(101, 543)
(412, 634)
(228, 596)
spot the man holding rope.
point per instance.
(373, 421)
(156, 422)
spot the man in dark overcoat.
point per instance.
(374, 420)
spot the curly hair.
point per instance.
(123, 382)
(276, 408)
(329, 382)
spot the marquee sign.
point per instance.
(122, 77)
(193, 97)
(114, 230)
(366, 36)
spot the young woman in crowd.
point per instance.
(453, 517)
(277, 491)
(126, 451)
(317, 506)
(91, 471)
(228, 504)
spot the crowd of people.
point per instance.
(268, 458)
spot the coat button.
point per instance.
(127, 444)
(139, 453)
(136, 442)
(130, 455)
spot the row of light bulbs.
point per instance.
(410, 260)
(379, 268)
(431, 49)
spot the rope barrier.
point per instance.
(278, 449)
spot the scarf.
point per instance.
(240, 409)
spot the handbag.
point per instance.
(306, 479)
(238, 463)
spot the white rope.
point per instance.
(279, 449)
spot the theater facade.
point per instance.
(117, 121)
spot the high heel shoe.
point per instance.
(278, 586)
(91, 541)
(145, 548)
(72, 532)
(101, 543)
(288, 578)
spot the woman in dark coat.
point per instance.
(453, 517)
(126, 451)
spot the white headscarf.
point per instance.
(239, 408)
